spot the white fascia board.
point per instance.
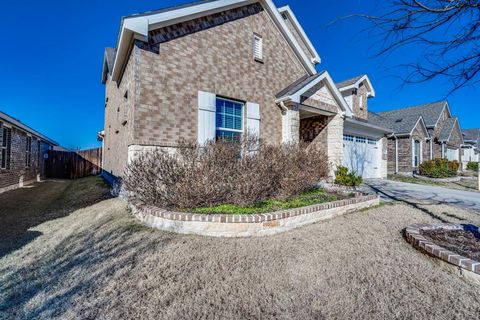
(138, 27)
(296, 97)
(286, 9)
(356, 85)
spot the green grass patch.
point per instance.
(309, 198)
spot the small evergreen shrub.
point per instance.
(345, 178)
(472, 166)
(439, 168)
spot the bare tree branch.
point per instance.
(445, 33)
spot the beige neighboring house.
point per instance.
(219, 69)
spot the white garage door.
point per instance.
(362, 155)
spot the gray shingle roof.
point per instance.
(472, 135)
(400, 125)
(297, 85)
(447, 129)
(349, 82)
(17, 123)
(430, 112)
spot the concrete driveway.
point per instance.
(422, 194)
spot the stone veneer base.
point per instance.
(463, 266)
(256, 225)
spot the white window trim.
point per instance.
(243, 116)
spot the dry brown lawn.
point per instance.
(98, 263)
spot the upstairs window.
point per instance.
(257, 47)
(28, 152)
(229, 119)
(5, 148)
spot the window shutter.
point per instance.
(253, 119)
(206, 117)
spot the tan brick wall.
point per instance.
(405, 151)
(362, 95)
(118, 110)
(217, 59)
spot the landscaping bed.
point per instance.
(463, 183)
(315, 196)
(463, 242)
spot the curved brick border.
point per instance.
(221, 225)
(464, 266)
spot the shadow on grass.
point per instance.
(23, 209)
(81, 264)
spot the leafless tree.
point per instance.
(446, 34)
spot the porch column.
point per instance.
(335, 143)
(291, 125)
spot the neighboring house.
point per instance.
(22, 153)
(364, 142)
(219, 69)
(420, 133)
(471, 147)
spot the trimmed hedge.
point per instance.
(472, 166)
(439, 168)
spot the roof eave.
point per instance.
(286, 9)
(356, 85)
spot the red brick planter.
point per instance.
(464, 266)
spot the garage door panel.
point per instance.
(362, 157)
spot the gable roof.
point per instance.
(447, 129)
(17, 123)
(399, 126)
(294, 91)
(108, 62)
(138, 27)
(471, 135)
(430, 112)
(354, 83)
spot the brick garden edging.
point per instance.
(464, 266)
(221, 225)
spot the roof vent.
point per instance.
(398, 120)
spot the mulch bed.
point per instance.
(462, 242)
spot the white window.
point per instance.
(347, 137)
(229, 119)
(372, 142)
(360, 139)
(257, 47)
(360, 102)
(417, 149)
(5, 148)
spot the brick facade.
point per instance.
(360, 102)
(18, 173)
(212, 54)
(405, 163)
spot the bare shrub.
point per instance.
(241, 172)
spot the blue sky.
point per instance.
(51, 59)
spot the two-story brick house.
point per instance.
(213, 69)
(422, 132)
(22, 151)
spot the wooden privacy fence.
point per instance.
(74, 165)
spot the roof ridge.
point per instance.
(416, 106)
